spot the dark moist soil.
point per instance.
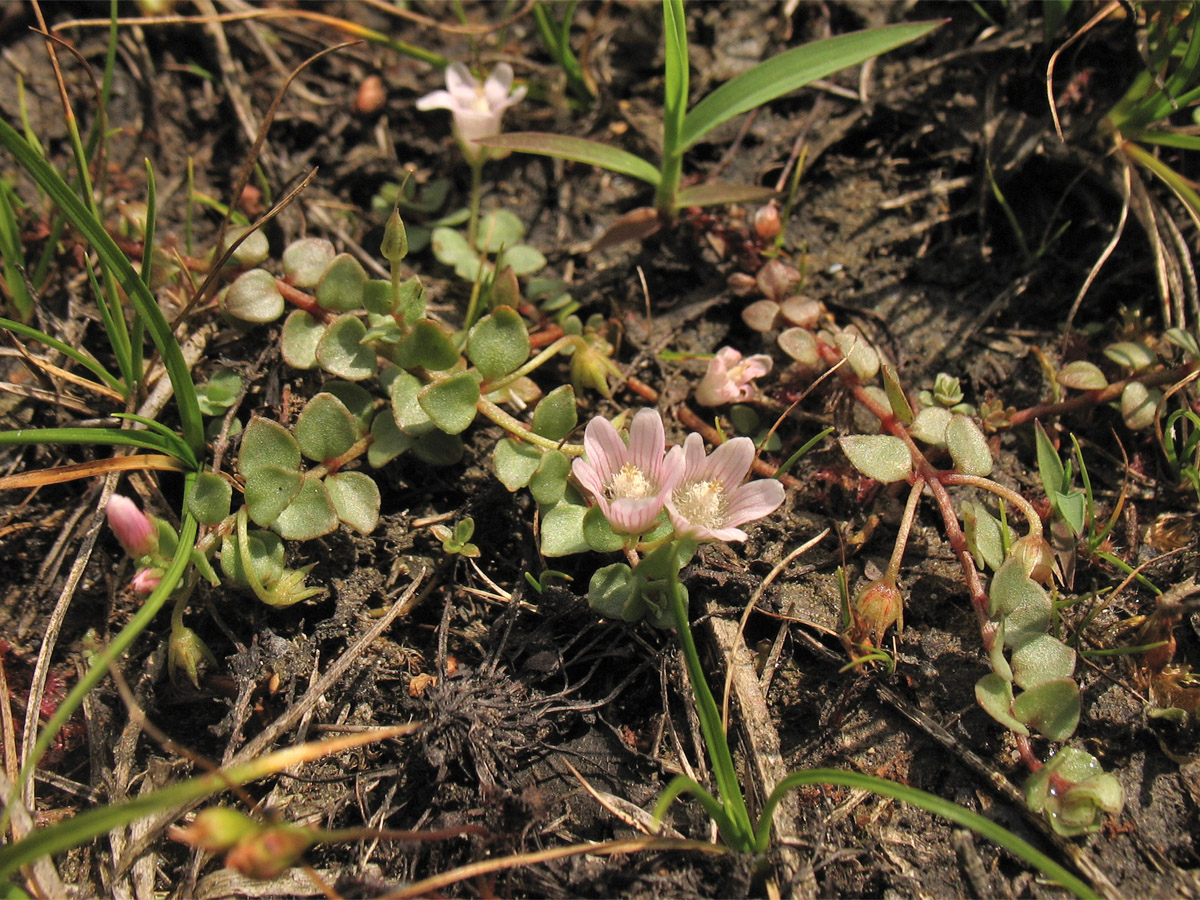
(525, 696)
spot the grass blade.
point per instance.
(147, 307)
(593, 153)
(793, 69)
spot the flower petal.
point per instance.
(647, 441)
(460, 80)
(498, 84)
(437, 100)
(730, 462)
(604, 448)
(755, 500)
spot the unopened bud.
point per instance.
(146, 580)
(133, 528)
(876, 608)
(767, 223)
(185, 650)
(290, 588)
(591, 365)
(1035, 557)
(371, 96)
(217, 828)
(395, 239)
(269, 852)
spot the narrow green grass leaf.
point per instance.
(111, 436)
(930, 803)
(67, 350)
(12, 254)
(793, 69)
(593, 153)
(147, 307)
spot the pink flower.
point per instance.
(145, 581)
(630, 483)
(476, 108)
(730, 378)
(710, 501)
(133, 528)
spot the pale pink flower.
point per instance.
(730, 378)
(477, 108)
(133, 528)
(630, 483)
(710, 501)
(146, 580)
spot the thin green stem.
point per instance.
(476, 165)
(986, 484)
(910, 512)
(741, 829)
(517, 429)
(541, 359)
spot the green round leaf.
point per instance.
(355, 498)
(515, 462)
(267, 443)
(298, 342)
(555, 416)
(306, 260)
(549, 482)
(410, 417)
(883, 457)
(498, 229)
(1051, 709)
(253, 297)
(982, 531)
(615, 593)
(1082, 376)
(1041, 658)
(387, 440)
(930, 425)
(451, 403)
(498, 343)
(562, 530)
(599, 534)
(210, 498)
(250, 252)
(1131, 355)
(356, 399)
(1020, 601)
(860, 355)
(968, 447)
(341, 349)
(523, 259)
(429, 346)
(310, 515)
(325, 429)
(995, 695)
(451, 249)
(268, 491)
(341, 287)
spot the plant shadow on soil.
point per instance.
(515, 687)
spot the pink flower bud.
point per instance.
(767, 223)
(876, 608)
(217, 828)
(133, 528)
(146, 580)
(1035, 557)
(269, 852)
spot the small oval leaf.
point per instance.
(883, 457)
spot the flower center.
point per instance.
(702, 503)
(629, 484)
(480, 101)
